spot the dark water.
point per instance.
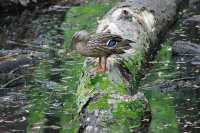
(24, 101)
(172, 83)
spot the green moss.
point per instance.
(165, 53)
(101, 103)
(90, 86)
(134, 66)
(128, 110)
(127, 115)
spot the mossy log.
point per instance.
(110, 102)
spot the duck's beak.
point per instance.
(72, 47)
(72, 44)
(130, 41)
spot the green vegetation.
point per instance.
(89, 87)
(134, 66)
(128, 115)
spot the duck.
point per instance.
(99, 45)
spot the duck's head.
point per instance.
(79, 37)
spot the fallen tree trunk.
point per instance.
(110, 102)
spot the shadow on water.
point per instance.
(172, 83)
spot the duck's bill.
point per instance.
(130, 41)
(72, 47)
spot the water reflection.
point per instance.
(53, 93)
(172, 85)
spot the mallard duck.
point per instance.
(99, 45)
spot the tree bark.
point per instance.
(111, 102)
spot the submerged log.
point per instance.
(110, 102)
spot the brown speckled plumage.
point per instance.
(99, 45)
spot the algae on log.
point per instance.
(110, 102)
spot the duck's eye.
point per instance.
(112, 43)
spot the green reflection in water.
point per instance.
(162, 104)
(52, 91)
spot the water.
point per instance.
(172, 83)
